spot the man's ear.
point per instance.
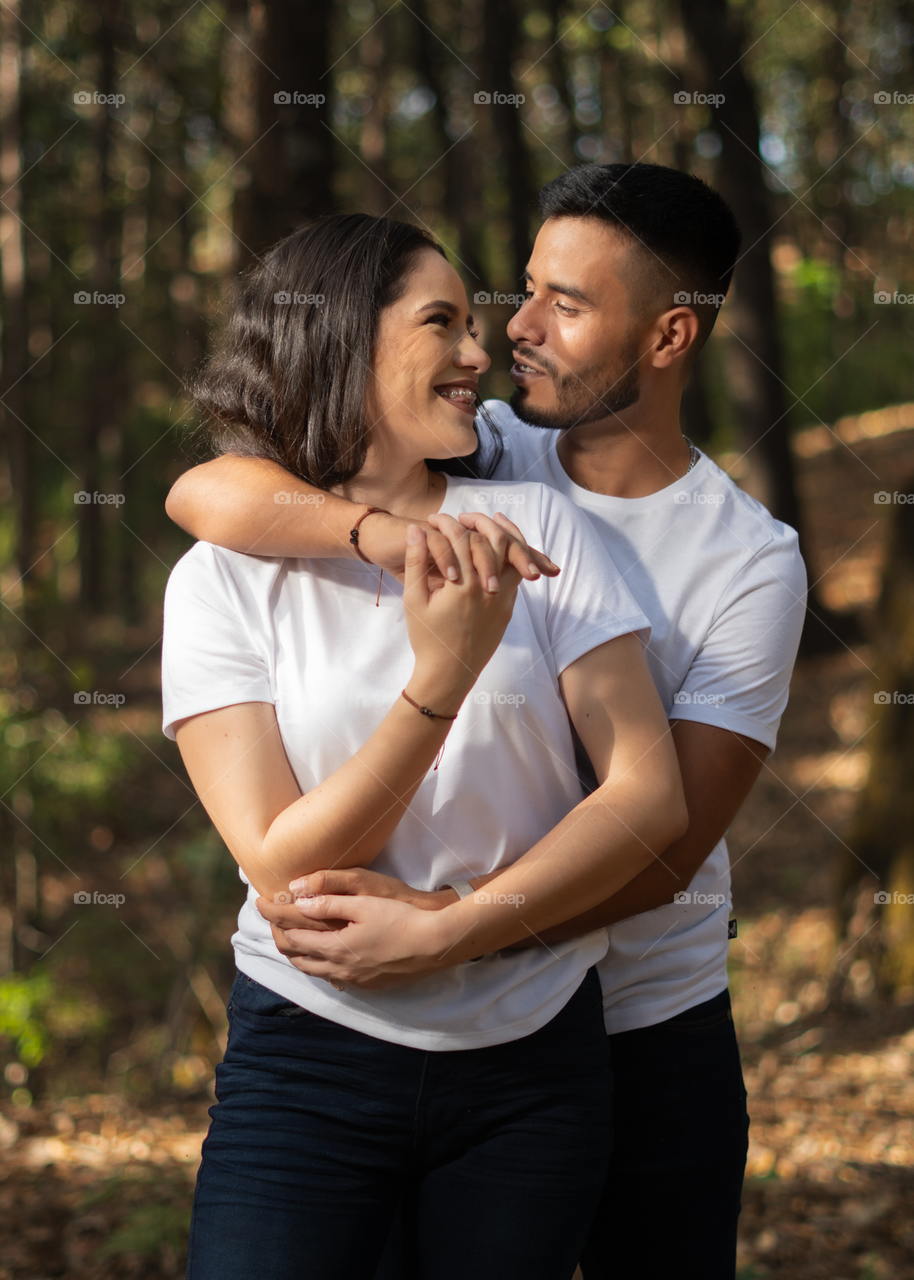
(676, 336)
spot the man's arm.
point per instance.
(255, 506)
(635, 813)
(718, 770)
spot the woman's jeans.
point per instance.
(320, 1131)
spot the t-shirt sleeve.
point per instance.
(740, 678)
(213, 653)
(588, 603)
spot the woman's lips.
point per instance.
(462, 398)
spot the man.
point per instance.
(624, 283)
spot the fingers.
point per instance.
(539, 561)
(283, 916)
(506, 537)
(441, 554)
(415, 571)
(328, 906)
(334, 880)
(487, 550)
(458, 537)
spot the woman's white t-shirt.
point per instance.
(307, 637)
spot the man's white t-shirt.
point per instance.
(306, 636)
(724, 587)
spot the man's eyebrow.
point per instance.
(568, 290)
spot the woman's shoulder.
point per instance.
(212, 570)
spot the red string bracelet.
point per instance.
(354, 539)
(432, 715)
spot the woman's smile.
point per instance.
(462, 395)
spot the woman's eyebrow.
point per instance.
(441, 305)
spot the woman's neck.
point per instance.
(415, 493)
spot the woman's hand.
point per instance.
(343, 881)
(373, 942)
(383, 540)
(453, 629)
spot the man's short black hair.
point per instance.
(686, 232)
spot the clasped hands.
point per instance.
(360, 927)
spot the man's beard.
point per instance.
(582, 397)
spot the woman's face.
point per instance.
(427, 363)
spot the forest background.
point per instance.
(149, 152)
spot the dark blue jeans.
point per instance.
(320, 1131)
(672, 1196)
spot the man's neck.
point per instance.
(627, 456)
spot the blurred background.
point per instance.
(148, 151)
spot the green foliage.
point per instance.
(21, 1002)
(35, 1011)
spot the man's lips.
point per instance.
(523, 373)
(462, 395)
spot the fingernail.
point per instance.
(301, 883)
(531, 568)
(412, 535)
(551, 563)
(492, 584)
(452, 573)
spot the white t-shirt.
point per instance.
(306, 636)
(724, 587)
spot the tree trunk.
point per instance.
(289, 144)
(500, 38)
(883, 833)
(718, 33)
(460, 162)
(374, 57)
(12, 273)
(101, 400)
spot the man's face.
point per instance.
(576, 338)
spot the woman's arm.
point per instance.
(256, 507)
(236, 760)
(637, 811)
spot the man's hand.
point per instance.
(495, 544)
(290, 923)
(366, 942)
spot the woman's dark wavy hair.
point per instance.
(290, 380)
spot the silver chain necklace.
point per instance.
(694, 455)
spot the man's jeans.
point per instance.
(319, 1131)
(672, 1197)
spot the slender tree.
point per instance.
(13, 278)
(500, 38)
(281, 54)
(719, 36)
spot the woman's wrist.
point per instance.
(442, 694)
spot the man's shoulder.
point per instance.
(757, 527)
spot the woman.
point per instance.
(311, 704)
